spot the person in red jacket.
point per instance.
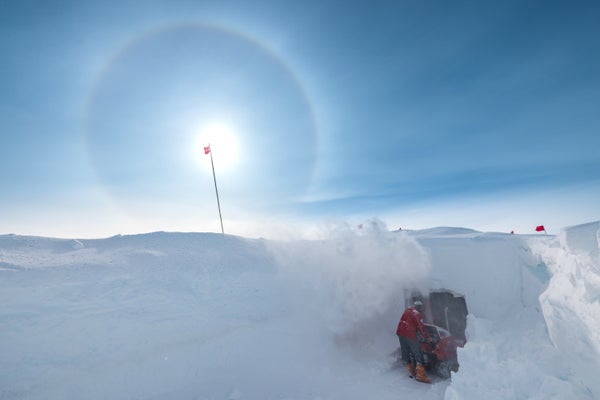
(411, 331)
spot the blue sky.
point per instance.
(476, 114)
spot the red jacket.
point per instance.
(411, 322)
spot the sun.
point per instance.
(223, 142)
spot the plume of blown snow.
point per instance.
(355, 274)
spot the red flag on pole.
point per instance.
(207, 149)
(540, 228)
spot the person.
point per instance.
(410, 332)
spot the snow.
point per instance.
(208, 316)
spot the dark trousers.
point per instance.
(411, 350)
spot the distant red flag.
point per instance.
(207, 149)
(540, 228)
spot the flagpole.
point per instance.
(216, 190)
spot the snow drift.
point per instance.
(207, 316)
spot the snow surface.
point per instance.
(209, 316)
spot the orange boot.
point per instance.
(421, 376)
(411, 369)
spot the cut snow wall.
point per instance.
(571, 304)
(533, 303)
(496, 274)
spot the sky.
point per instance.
(419, 113)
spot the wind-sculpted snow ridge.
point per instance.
(210, 316)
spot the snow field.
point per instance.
(207, 316)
